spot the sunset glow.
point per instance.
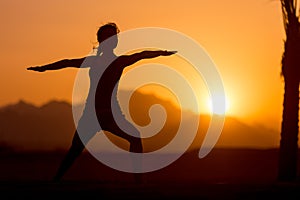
(244, 39)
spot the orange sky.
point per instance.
(244, 38)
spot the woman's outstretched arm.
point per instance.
(59, 65)
(131, 59)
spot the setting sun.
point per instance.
(218, 110)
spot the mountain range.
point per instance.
(24, 126)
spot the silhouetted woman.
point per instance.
(102, 93)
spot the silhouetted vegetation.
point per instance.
(290, 72)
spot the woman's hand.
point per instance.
(38, 69)
(168, 53)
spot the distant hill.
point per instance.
(24, 126)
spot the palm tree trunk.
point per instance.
(289, 132)
(290, 70)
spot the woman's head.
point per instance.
(106, 31)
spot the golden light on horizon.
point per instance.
(218, 110)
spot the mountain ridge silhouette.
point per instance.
(24, 126)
